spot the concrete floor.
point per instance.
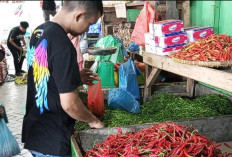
(14, 96)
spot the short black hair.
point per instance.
(87, 5)
(24, 24)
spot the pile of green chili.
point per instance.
(166, 107)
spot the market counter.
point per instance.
(216, 128)
(155, 63)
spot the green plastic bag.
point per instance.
(109, 40)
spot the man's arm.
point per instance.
(74, 107)
(66, 75)
(13, 36)
(15, 45)
(24, 43)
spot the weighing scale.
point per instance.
(105, 69)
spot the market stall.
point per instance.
(155, 63)
(188, 108)
(113, 24)
(129, 51)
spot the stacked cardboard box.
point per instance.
(165, 37)
(195, 33)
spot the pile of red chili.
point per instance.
(212, 48)
(160, 140)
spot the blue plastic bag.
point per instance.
(133, 47)
(121, 99)
(95, 28)
(128, 73)
(124, 52)
(8, 145)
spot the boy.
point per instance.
(15, 37)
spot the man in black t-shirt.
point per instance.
(49, 8)
(15, 37)
(53, 103)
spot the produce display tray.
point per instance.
(101, 50)
(216, 128)
(204, 63)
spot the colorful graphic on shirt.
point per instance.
(37, 57)
(30, 56)
(41, 75)
(38, 32)
(31, 50)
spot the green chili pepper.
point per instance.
(166, 107)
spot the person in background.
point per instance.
(15, 37)
(1, 112)
(3, 65)
(83, 42)
(76, 44)
(2, 52)
(53, 104)
(49, 8)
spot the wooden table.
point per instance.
(155, 63)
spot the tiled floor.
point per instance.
(13, 97)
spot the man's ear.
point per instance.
(78, 15)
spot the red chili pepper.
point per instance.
(227, 145)
(166, 138)
(216, 45)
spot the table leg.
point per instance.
(152, 74)
(190, 87)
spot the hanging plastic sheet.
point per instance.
(142, 24)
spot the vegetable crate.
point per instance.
(215, 128)
(75, 145)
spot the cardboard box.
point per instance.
(161, 28)
(169, 40)
(199, 33)
(149, 39)
(150, 48)
(188, 28)
(169, 49)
